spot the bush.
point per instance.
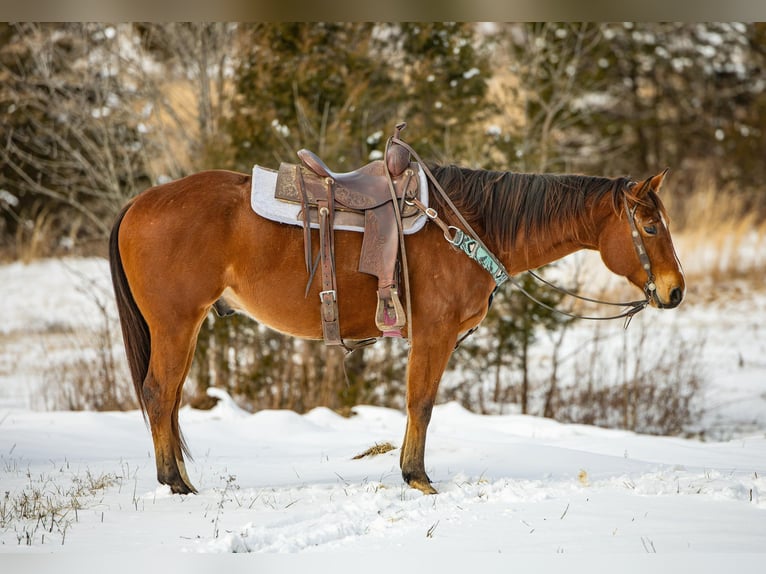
(92, 375)
(643, 387)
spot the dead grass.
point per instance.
(43, 510)
(719, 233)
(642, 387)
(91, 375)
(378, 448)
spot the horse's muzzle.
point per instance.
(676, 295)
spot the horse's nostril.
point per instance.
(676, 295)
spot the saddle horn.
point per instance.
(397, 158)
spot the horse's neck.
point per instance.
(531, 254)
(542, 247)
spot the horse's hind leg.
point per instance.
(170, 362)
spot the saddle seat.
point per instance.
(362, 189)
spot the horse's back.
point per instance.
(205, 192)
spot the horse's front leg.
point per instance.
(428, 359)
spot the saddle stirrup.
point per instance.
(389, 315)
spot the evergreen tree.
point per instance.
(339, 89)
(314, 85)
(443, 88)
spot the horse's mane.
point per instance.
(505, 203)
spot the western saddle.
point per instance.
(375, 194)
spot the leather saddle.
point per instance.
(368, 192)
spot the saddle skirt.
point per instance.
(265, 204)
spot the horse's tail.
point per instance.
(135, 331)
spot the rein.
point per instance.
(470, 244)
(635, 306)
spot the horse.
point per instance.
(179, 248)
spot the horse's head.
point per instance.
(636, 243)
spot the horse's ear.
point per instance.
(656, 182)
(652, 184)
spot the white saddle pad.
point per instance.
(264, 203)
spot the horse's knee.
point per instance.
(150, 393)
(420, 412)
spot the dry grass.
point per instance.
(719, 233)
(43, 510)
(641, 387)
(378, 448)
(91, 375)
(32, 240)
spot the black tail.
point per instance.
(135, 331)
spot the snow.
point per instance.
(280, 482)
(276, 482)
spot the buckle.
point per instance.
(329, 292)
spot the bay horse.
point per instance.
(178, 248)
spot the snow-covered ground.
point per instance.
(278, 482)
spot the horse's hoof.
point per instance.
(423, 486)
(182, 488)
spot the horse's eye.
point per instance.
(650, 229)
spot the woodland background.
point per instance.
(92, 114)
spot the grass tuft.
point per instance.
(378, 448)
(43, 510)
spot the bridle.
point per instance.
(638, 243)
(633, 306)
(468, 241)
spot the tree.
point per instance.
(74, 145)
(681, 93)
(633, 98)
(312, 85)
(550, 78)
(194, 97)
(337, 88)
(441, 88)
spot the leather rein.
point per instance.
(469, 242)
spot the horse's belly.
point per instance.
(276, 297)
